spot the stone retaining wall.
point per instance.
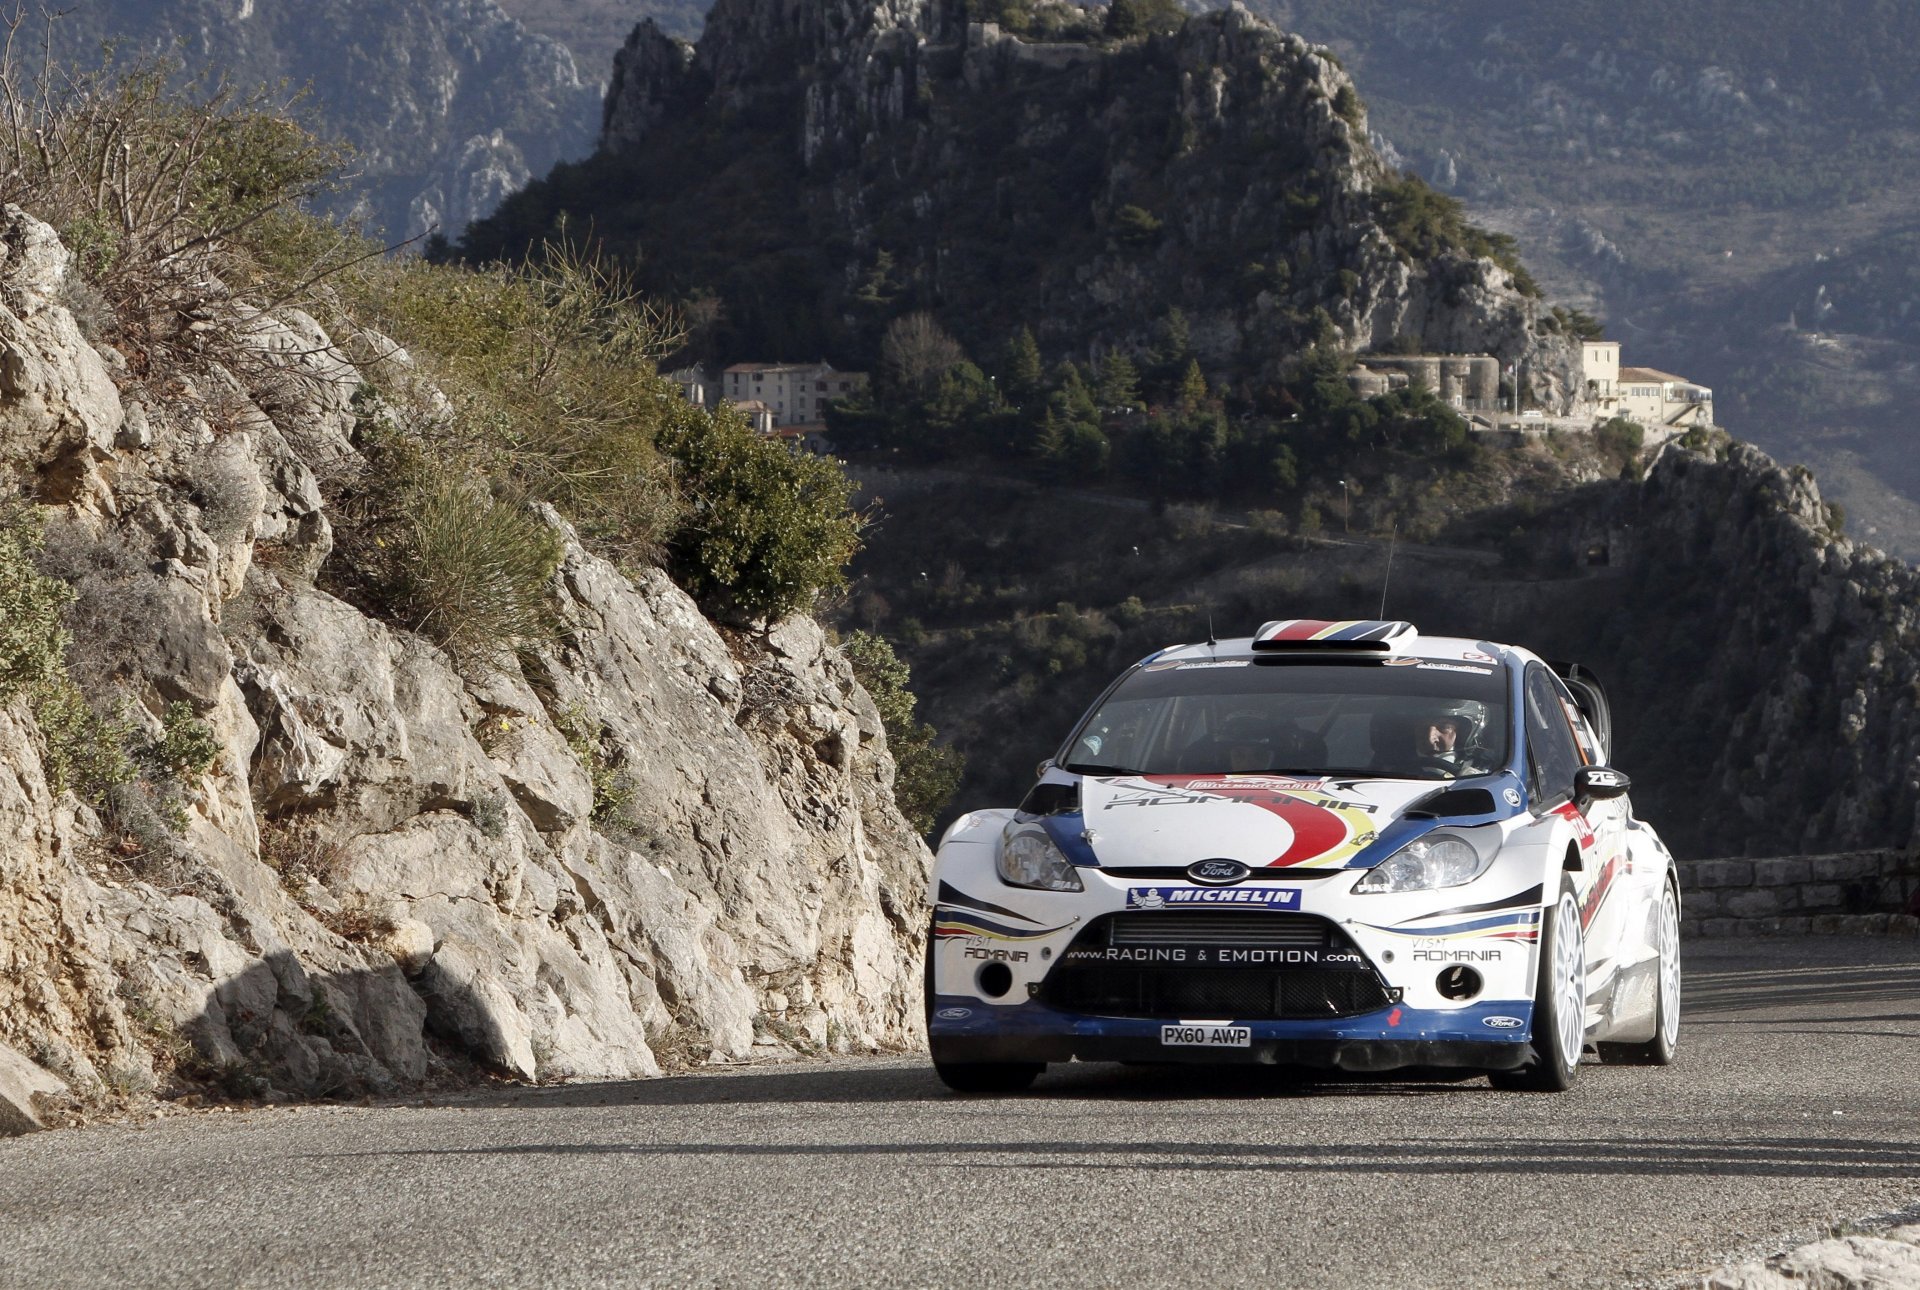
(1855, 891)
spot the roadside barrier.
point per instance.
(1852, 893)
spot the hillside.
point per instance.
(360, 726)
(1763, 669)
(449, 105)
(594, 30)
(1726, 185)
(807, 175)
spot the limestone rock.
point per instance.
(1844, 1263)
(21, 1083)
(388, 846)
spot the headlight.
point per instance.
(1422, 865)
(1029, 859)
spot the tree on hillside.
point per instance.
(1193, 387)
(1127, 18)
(1172, 350)
(1119, 384)
(916, 352)
(1022, 366)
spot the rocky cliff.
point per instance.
(396, 865)
(449, 104)
(1772, 665)
(823, 167)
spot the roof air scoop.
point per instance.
(1311, 634)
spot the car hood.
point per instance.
(1263, 821)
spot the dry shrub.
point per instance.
(157, 194)
(546, 369)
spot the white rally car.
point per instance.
(1334, 844)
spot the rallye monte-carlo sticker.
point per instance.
(1266, 821)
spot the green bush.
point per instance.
(768, 529)
(926, 774)
(157, 192)
(613, 791)
(86, 752)
(33, 644)
(1618, 442)
(548, 366)
(187, 747)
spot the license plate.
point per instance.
(1205, 1036)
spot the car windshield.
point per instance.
(1412, 719)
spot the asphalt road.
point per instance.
(1796, 1103)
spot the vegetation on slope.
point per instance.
(490, 392)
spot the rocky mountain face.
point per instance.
(1727, 186)
(824, 167)
(449, 104)
(595, 29)
(396, 866)
(1771, 665)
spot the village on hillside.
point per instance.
(788, 401)
(1662, 404)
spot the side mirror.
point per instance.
(1040, 771)
(1599, 784)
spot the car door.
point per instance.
(1556, 752)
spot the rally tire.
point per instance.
(970, 1077)
(1660, 1050)
(1559, 1004)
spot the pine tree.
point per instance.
(1023, 366)
(1175, 347)
(1119, 381)
(1193, 387)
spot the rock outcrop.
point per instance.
(1766, 667)
(887, 150)
(1863, 1261)
(398, 862)
(449, 104)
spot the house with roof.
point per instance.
(1662, 402)
(798, 393)
(757, 413)
(695, 385)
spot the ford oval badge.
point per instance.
(1218, 873)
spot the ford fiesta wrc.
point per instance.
(1331, 844)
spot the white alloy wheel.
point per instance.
(1569, 983)
(1559, 1004)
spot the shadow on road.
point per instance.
(916, 1082)
(1817, 988)
(1761, 1158)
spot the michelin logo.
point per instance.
(1174, 897)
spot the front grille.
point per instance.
(1249, 929)
(1168, 964)
(1235, 994)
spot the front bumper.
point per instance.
(1485, 1036)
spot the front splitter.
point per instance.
(964, 1030)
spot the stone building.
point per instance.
(798, 393)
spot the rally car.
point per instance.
(1333, 844)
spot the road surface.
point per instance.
(1796, 1103)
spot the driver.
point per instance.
(1447, 735)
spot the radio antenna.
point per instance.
(1393, 536)
(1210, 637)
